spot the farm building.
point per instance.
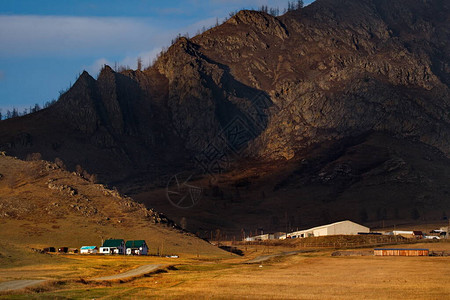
(261, 237)
(113, 246)
(136, 247)
(63, 249)
(264, 237)
(338, 228)
(400, 252)
(88, 249)
(409, 234)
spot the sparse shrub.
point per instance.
(183, 223)
(93, 178)
(34, 157)
(79, 170)
(59, 162)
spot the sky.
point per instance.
(46, 44)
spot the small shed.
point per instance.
(418, 234)
(113, 246)
(138, 247)
(49, 249)
(400, 252)
(89, 249)
(73, 250)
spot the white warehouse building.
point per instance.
(338, 228)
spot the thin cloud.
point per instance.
(2, 75)
(147, 57)
(128, 61)
(27, 36)
(61, 35)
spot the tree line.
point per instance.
(275, 11)
(14, 113)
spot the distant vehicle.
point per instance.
(432, 237)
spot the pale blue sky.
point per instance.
(45, 44)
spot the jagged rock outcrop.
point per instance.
(260, 86)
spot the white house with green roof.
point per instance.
(138, 247)
(113, 246)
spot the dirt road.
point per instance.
(142, 270)
(262, 258)
(18, 284)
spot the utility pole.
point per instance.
(448, 228)
(286, 218)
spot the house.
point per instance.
(339, 228)
(138, 247)
(63, 249)
(113, 246)
(89, 250)
(73, 250)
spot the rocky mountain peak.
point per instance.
(263, 22)
(106, 69)
(332, 70)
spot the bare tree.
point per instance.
(59, 162)
(183, 223)
(139, 63)
(15, 113)
(92, 178)
(34, 156)
(79, 170)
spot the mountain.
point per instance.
(272, 95)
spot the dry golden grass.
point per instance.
(34, 216)
(304, 276)
(202, 270)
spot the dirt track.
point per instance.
(18, 284)
(142, 270)
(262, 258)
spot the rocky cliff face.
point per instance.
(341, 68)
(261, 87)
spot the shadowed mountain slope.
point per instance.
(257, 88)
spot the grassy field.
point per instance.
(315, 275)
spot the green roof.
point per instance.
(135, 244)
(113, 243)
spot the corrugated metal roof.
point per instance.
(324, 226)
(113, 243)
(402, 249)
(87, 247)
(135, 244)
